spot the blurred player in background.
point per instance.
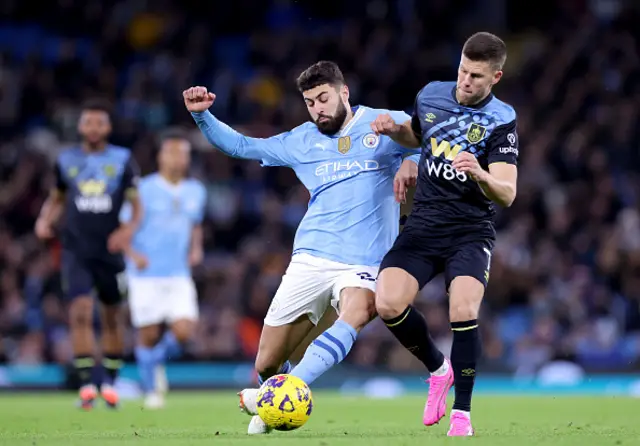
(164, 248)
(469, 156)
(93, 181)
(351, 222)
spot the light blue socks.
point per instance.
(327, 350)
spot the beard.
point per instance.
(474, 99)
(332, 124)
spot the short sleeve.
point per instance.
(61, 184)
(131, 176)
(415, 119)
(503, 144)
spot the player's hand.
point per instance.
(385, 125)
(140, 261)
(467, 163)
(196, 256)
(198, 99)
(119, 239)
(43, 229)
(406, 177)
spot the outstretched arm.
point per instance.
(269, 151)
(402, 134)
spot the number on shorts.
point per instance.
(366, 276)
(121, 279)
(486, 272)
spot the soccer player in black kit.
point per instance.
(468, 163)
(92, 182)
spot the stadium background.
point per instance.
(564, 296)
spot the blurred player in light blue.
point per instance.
(164, 248)
(351, 222)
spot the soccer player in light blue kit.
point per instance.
(165, 247)
(351, 222)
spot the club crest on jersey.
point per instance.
(476, 133)
(344, 144)
(72, 172)
(109, 170)
(371, 140)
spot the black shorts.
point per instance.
(80, 277)
(425, 257)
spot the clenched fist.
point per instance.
(385, 125)
(467, 163)
(198, 99)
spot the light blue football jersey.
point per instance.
(169, 214)
(352, 216)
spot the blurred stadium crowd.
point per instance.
(565, 280)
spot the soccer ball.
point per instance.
(284, 402)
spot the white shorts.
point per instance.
(154, 300)
(311, 284)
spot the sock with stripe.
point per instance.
(284, 369)
(465, 353)
(146, 361)
(327, 350)
(410, 328)
(84, 368)
(112, 364)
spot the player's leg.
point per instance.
(467, 273)
(147, 362)
(111, 288)
(146, 298)
(78, 283)
(297, 307)
(300, 301)
(182, 316)
(277, 342)
(354, 299)
(402, 275)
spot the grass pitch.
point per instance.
(213, 419)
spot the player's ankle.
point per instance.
(442, 370)
(466, 413)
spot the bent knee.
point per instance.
(389, 308)
(183, 330)
(148, 336)
(461, 310)
(465, 297)
(396, 290)
(357, 307)
(390, 303)
(461, 313)
(360, 315)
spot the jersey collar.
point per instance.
(479, 105)
(357, 115)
